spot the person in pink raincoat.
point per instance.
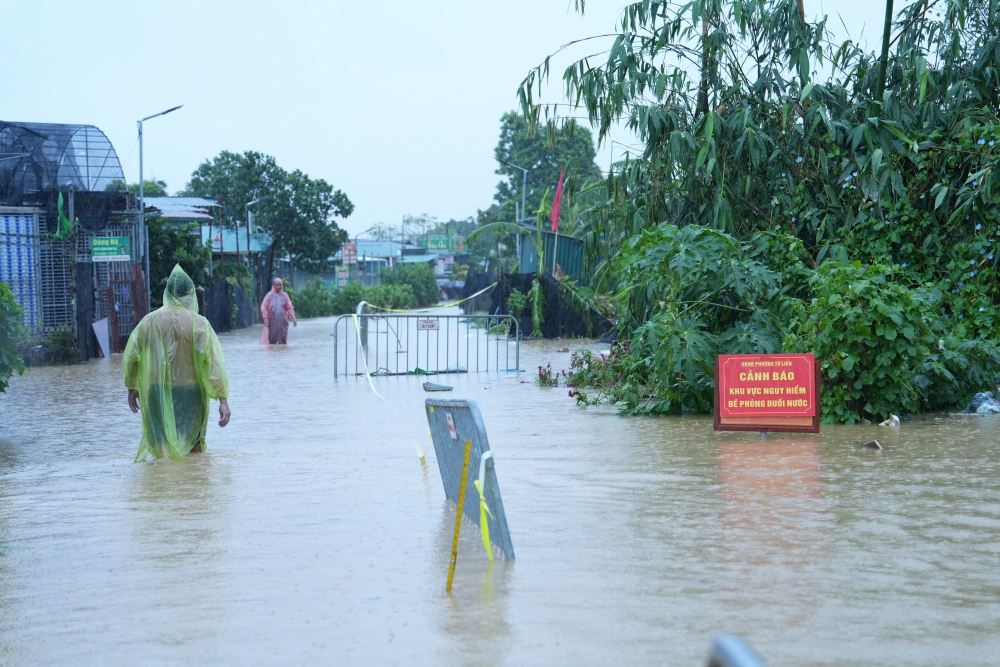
(277, 309)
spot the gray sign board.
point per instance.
(452, 423)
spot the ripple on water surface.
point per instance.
(310, 531)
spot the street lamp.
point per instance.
(249, 204)
(524, 193)
(142, 199)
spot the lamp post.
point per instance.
(524, 194)
(142, 199)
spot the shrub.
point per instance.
(10, 328)
(694, 293)
(391, 296)
(884, 347)
(346, 299)
(314, 300)
(420, 278)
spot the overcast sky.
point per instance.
(395, 103)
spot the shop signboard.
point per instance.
(442, 242)
(436, 242)
(343, 276)
(350, 253)
(767, 392)
(111, 249)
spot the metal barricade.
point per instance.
(731, 651)
(410, 344)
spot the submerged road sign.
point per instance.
(767, 392)
(452, 424)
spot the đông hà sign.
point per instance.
(767, 392)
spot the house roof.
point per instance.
(183, 208)
(225, 240)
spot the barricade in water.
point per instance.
(453, 423)
(731, 651)
(423, 344)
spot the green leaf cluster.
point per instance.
(10, 328)
(737, 133)
(295, 210)
(693, 292)
(569, 147)
(421, 280)
(885, 348)
(315, 300)
(171, 244)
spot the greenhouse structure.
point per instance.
(71, 248)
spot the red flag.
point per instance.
(555, 203)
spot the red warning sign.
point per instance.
(767, 392)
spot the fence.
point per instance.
(19, 264)
(59, 287)
(408, 344)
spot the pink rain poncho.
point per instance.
(277, 309)
(174, 360)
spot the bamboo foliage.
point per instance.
(740, 133)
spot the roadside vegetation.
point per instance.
(10, 329)
(409, 286)
(852, 214)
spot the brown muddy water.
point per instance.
(310, 532)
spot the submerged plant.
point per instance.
(547, 377)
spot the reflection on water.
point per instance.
(770, 490)
(310, 532)
(474, 616)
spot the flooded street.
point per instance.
(311, 533)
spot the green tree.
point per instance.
(10, 327)
(453, 227)
(738, 133)
(171, 244)
(295, 210)
(569, 146)
(420, 277)
(150, 188)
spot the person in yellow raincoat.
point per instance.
(172, 366)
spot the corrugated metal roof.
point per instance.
(416, 259)
(226, 240)
(181, 208)
(179, 203)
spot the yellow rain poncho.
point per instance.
(174, 360)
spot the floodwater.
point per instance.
(311, 533)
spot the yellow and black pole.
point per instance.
(458, 515)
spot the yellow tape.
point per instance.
(484, 526)
(484, 511)
(427, 310)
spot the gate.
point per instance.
(123, 299)
(409, 344)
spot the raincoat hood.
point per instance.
(180, 291)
